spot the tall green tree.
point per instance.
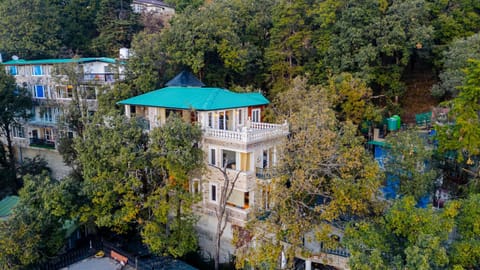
(405, 237)
(290, 42)
(15, 105)
(326, 177)
(376, 40)
(30, 29)
(451, 21)
(463, 136)
(116, 24)
(410, 160)
(171, 229)
(465, 250)
(455, 60)
(112, 153)
(221, 42)
(78, 27)
(34, 232)
(181, 5)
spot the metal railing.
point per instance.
(266, 173)
(42, 143)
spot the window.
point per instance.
(210, 120)
(256, 115)
(240, 117)
(64, 91)
(212, 157)
(18, 131)
(229, 159)
(222, 119)
(39, 91)
(47, 114)
(88, 92)
(195, 186)
(37, 71)
(48, 134)
(13, 70)
(213, 193)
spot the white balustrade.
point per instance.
(256, 132)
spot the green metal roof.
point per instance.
(60, 61)
(7, 204)
(198, 98)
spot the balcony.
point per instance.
(99, 77)
(42, 143)
(266, 173)
(254, 132)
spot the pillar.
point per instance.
(308, 265)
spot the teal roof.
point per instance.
(198, 98)
(60, 61)
(7, 204)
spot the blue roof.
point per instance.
(197, 98)
(185, 78)
(7, 204)
(60, 61)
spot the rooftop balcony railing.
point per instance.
(253, 132)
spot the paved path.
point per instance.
(97, 264)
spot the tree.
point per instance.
(221, 42)
(78, 26)
(463, 136)
(35, 230)
(116, 24)
(171, 226)
(410, 161)
(451, 21)
(181, 5)
(405, 237)
(15, 105)
(30, 29)
(111, 153)
(375, 40)
(326, 178)
(455, 60)
(138, 181)
(465, 250)
(352, 99)
(221, 212)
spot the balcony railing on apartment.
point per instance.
(42, 143)
(253, 132)
(99, 77)
(335, 251)
(266, 173)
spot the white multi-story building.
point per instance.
(152, 7)
(53, 84)
(234, 138)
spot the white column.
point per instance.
(308, 265)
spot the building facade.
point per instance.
(153, 7)
(54, 84)
(234, 140)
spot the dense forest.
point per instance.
(329, 67)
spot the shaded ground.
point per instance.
(417, 98)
